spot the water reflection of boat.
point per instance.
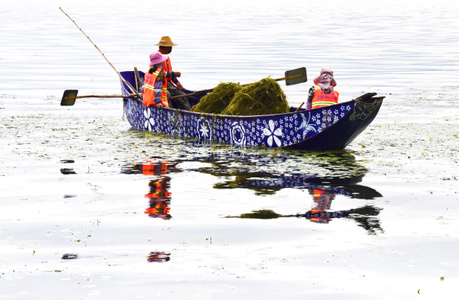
(365, 216)
(323, 192)
(336, 172)
(268, 183)
(328, 175)
(321, 129)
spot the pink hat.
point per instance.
(321, 78)
(157, 58)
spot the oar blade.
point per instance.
(69, 97)
(295, 76)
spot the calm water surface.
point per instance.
(151, 216)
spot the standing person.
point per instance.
(174, 87)
(323, 93)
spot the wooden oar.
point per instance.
(291, 77)
(69, 97)
(138, 81)
(299, 107)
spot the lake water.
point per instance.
(151, 216)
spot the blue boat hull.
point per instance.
(322, 129)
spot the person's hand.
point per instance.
(177, 74)
(159, 105)
(179, 86)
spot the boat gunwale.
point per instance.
(303, 110)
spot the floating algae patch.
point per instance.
(259, 214)
(218, 100)
(259, 98)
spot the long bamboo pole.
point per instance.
(121, 77)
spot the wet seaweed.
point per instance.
(259, 98)
(219, 99)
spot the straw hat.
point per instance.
(166, 42)
(157, 58)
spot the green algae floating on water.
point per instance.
(259, 214)
(218, 100)
(259, 98)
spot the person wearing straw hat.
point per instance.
(323, 92)
(174, 87)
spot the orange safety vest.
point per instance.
(167, 67)
(322, 99)
(154, 91)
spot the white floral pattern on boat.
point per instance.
(306, 126)
(204, 129)
(149, 122)
(271, 131)
(237, 133)
(273, 134)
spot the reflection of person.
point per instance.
(157, 168)
(159, 198)
(159, 209)
(158, 257)
(161, 60)
(322, 200)
(323, 93)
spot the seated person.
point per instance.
(155, 84)
(323, 93)
(174, 87)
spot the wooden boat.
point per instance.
(321, 129)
